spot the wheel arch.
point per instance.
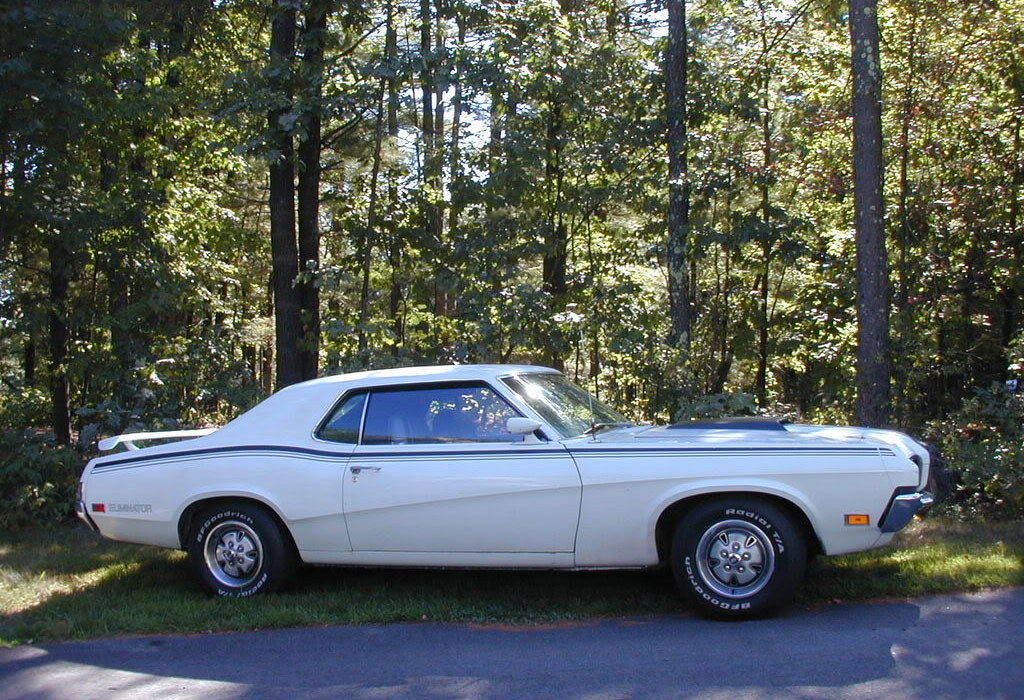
(187, 518)
(676, 511)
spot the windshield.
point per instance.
(562, 404)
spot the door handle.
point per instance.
(360, 470)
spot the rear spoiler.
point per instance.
(129, 439)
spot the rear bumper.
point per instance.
(84, 515)
(904, 504)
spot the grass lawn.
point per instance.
(67, 583)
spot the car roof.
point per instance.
(288, 414)
(412, 375)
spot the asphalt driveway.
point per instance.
(945, 647)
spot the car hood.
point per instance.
(760, 433)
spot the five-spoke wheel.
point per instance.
(233, 553)
(738, 557)
(238, 549)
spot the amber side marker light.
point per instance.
(857, 519)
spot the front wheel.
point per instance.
(738, 557)
(238, 550)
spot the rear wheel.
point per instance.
(738, 557)
(238, 550)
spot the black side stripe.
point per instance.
(305, 451)
(885, 451)
(533, 453)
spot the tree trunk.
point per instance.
(287, 300)
(442, 262)
(494, 144)
(555, 232)
(372, 224)
(28, 360)
(60, 393)
(312, 41)
(1013, 288)
(872, 269)
(432, 222)
(764, 330)
(395, 247)
(267, 353)
(900, 368)
(455, 172)
(10, 230)
(125, 329)
(676, 60)
(1012, 296)
(768, 233)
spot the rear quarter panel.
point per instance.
(145, 498)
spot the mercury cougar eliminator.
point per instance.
(503, 466)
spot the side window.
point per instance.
(343, 424)
(441, 414)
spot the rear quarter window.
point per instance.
(344, 422)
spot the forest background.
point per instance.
(202, 201)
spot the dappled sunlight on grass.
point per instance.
(939, 559)
(38, 566)
(977, 570)
(930, 556)
(21, 591)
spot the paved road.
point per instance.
(935, 648)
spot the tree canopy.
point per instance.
(383, 183)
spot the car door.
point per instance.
(436, 471)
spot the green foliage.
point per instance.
(133, 140)
(984, 443)
(38, 479)
(22, 407)
(718, 406)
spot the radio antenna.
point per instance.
(593, 420)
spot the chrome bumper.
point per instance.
(902, 507)
(84, 515)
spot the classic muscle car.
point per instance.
(503, 466)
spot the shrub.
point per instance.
(984, 442)
(38, 479)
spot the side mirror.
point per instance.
(525, 427)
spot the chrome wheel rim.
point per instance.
(735, 558)
(233, 554)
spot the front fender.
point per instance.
(732, 486)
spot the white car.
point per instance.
(503, 466)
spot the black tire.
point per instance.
(237, 549)
(738, 558)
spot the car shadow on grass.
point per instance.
(123, 590)
(69, 583)
(67, 550)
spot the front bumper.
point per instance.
(904, 504)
